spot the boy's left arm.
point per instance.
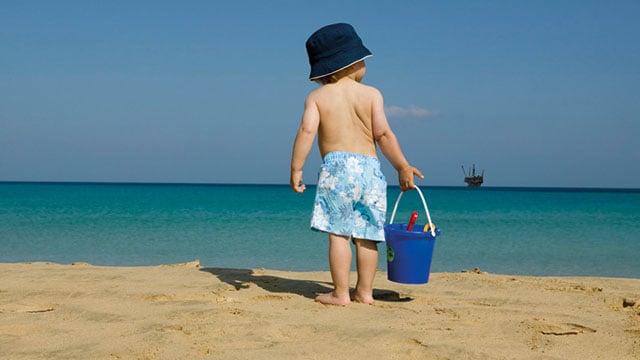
(388, 143)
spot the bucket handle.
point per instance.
(424, 203)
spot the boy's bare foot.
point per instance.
(364, 299)
(331, 299)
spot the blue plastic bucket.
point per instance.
(409, 253)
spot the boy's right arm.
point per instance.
(303, 143)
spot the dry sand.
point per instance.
(184, 311)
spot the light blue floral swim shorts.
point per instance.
(351, 197)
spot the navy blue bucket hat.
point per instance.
(333, 48)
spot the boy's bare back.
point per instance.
(344, 112)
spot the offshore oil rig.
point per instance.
(471, 178)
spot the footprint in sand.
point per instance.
(157, 297)
(20, 308)
(445, 311)
(271, 297)
(564, 329)
(235, 311)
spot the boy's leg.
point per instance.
(367, 262)
(340, 264)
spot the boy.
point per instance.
(351, 193)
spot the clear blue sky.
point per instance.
(537, 93)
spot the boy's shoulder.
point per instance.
(372, 89)
(327, 90)
(368, 90)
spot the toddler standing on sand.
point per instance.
(349, 119)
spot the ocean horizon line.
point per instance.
(453, 187)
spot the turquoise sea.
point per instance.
(520, 231)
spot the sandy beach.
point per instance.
(185, 311)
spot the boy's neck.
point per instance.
(354, 72)
(354, 75)
(349, 77)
